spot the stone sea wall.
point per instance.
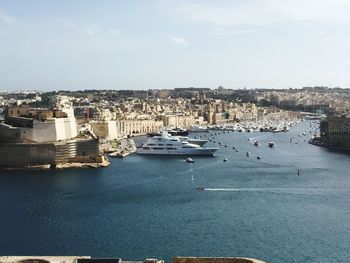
(23, 155)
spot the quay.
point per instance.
(317, 142)
(126, 148)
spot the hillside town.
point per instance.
(80, 125)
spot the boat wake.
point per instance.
(270, 190)
(241, 189)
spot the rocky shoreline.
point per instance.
(105, 162)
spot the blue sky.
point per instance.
(82, 44)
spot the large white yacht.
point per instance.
(197, 128)
(199, 142)
(168, 145)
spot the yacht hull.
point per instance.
(202, 152)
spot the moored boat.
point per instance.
(172, 145)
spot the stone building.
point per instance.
(182, 121)
(36, 141)
(336, 131)
(105, 129)
(137, 127)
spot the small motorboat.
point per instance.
(200, 189)
(189, 160)
(256, 143)
(259, 157)
(226, 145)
(272, 144)
(225, 160)
(248, 154)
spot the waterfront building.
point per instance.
(137, 127)
(178, 120)
(105, 129)
(335, 131)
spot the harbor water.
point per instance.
(149, 206)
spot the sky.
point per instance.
(145, 44)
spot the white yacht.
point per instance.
(197, 128)
(168, 145)
(199, 142)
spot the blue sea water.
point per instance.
(148, 206)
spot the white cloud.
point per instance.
(69, 24)
(114, 31)
(178, 40)
(229, 32)
(264, 12)
(7, 19)
(89, 30)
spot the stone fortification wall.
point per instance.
(65, 151)
(88, 148)
(50, 130)
(43, 131)
(336, 131)
(101, 128)
(20, 122)
(33, 154)
(54, 130)
(9, 133)
(22, 155)
(69, 126)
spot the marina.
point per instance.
(137, 206)
(174, 131)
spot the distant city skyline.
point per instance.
(77, 45)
